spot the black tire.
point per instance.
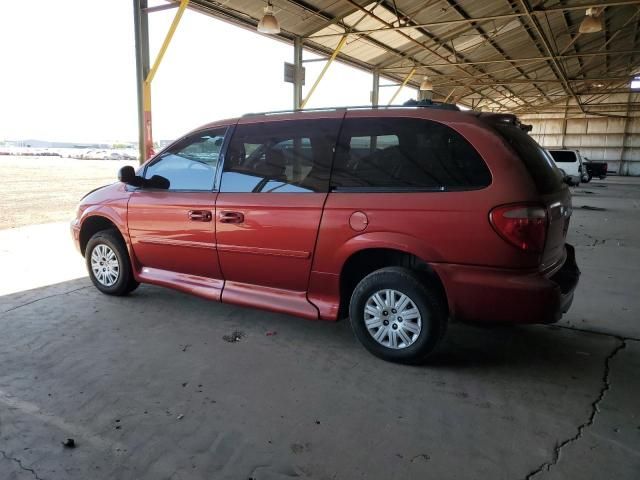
(125, 282)
(589, 177)
(426, 298)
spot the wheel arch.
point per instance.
(367, 260)
(94, 224)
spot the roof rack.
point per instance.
(504, 118)
(407, 104)
(431, 104)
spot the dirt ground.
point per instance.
(47, 189)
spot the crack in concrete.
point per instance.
(44, 298)
(595, 409)
(19, 462)
(596, 332)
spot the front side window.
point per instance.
(280, 157)
(405, 154)
(190, 164)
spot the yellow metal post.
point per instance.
(404, 83)
(146, 90)
(335, 53)
(167, 39)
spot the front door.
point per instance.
(274, 184)
(173, 230)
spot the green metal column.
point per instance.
(297, 81)
(141, 28)
(375, 92)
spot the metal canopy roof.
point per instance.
(503, 55)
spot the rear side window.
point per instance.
(563, 156)
(536, 159)
(280, 157)
(405, 154)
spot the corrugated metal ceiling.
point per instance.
(516, 55)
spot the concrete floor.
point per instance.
(149, 389)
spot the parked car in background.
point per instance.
(571, 162)
(400, 218)
(595, 169)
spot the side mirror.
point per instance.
(127, 175)
(157, 181)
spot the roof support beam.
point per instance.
(297, 74)
(159, 8)
(624, 29)
(483, 33)
(506, 16)
(440, 43)
(420, 44)
(404, 83)
(334, 21)
(559, 71)
(364, 38)
(324, 70)
(528, 59)
(141, 31)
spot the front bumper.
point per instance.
(75, 233)
(479, 294)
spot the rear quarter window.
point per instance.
(536, 159)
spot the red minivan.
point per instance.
(400, 218)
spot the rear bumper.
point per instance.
(567, 280)
(478, 294)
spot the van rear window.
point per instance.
(536, 159)
(563, 156)
(390, 154)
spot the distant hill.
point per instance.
(34, 143)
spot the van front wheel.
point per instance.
(108, 264)
(396, 316)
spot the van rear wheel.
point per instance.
(396, 316)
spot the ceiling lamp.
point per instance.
(592, 22)
(269, 23)
(426, 85)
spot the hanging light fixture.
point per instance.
(426, 85)
(592, 22)
(269, 23)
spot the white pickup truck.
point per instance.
(572, 163)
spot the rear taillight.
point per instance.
(524, 226)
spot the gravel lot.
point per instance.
(47, 189)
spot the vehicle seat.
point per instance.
(318, 177)
(274, 166)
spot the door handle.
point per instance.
(231, 217)
(200, 215)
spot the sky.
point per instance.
(67, 73)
